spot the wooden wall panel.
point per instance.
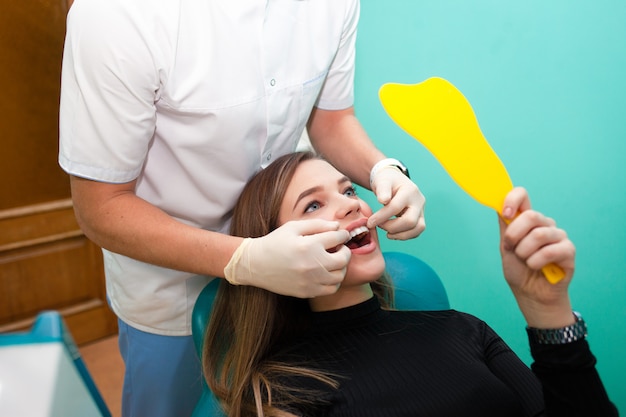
(47, 263)
(32, 33)
(45, 260)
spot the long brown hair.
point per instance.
(247, 322)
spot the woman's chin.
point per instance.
(365, 268)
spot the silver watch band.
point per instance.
(567, 334)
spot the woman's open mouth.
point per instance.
(359, 237)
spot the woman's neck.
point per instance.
(344, 297)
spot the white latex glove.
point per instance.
(293, 259)
(401, 198)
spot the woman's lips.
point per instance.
(360, 238)
(361, 241)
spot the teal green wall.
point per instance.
(547, 81)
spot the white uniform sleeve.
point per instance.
(338, 90)
(109, 85)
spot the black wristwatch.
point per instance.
(567, 334)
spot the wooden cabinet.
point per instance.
(45, 260)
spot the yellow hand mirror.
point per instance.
(437, 115)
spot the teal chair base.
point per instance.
(417, 287)
(43, 374)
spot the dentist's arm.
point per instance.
(292, 260)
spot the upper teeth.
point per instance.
(358, 231)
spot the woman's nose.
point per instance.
(348, 206)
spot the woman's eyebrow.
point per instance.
(344, 179)
(315, 189)
(305, 193)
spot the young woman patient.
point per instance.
(350, 354)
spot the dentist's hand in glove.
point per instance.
(304, 258)
(402, 216)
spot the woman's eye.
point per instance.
(350, 191)
(312, 207)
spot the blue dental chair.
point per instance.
(417, 287)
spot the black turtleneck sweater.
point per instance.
(437, 363)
